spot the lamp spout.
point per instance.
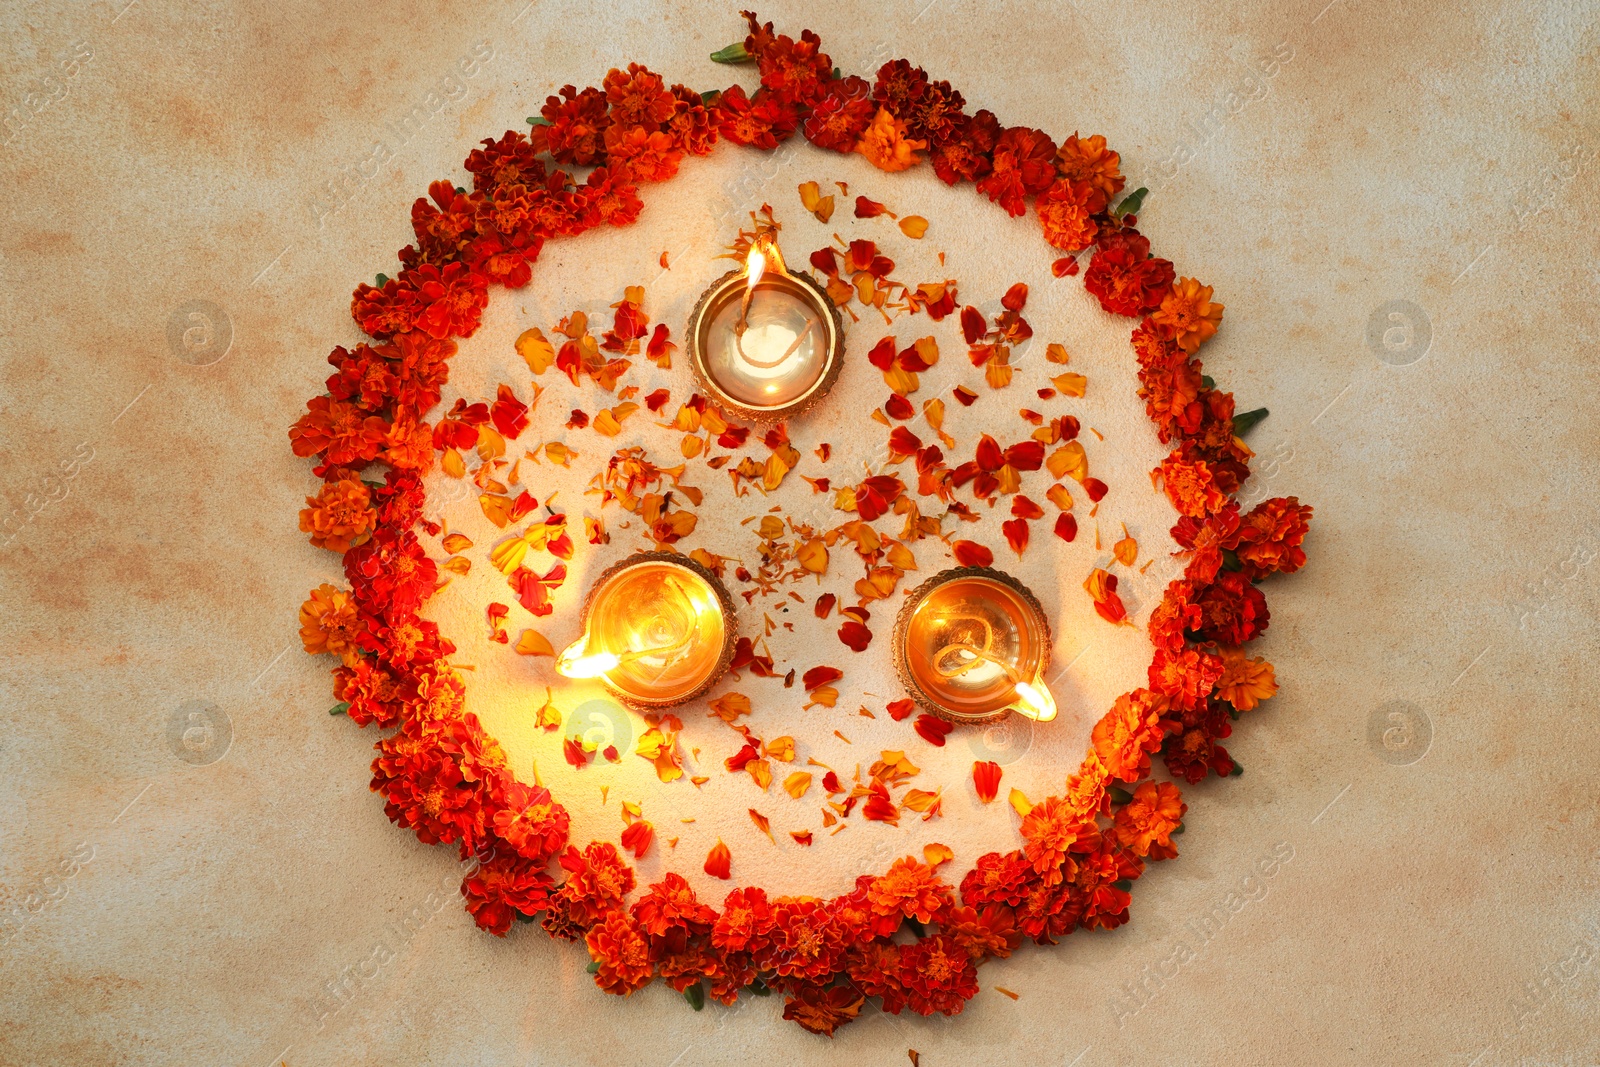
(1034, 701)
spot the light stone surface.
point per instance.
(1440, 909)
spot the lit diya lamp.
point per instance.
(765, 343)
(972, 645)
(658, 629)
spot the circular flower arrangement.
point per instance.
(906, 936)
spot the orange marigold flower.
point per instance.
(341, 515)
(342, 433)
(1086, 790)
(1191, 485)
(622, 953)
(1124, 738)
(910, 889)
(989, 932)
(1245, 682)
(886, 146)
(637, 98)
(1188, 313)
(1145, 824)
(1088, 160)
(1065, 212)
(642, 155)
(1052, 829)
(1022, 168)
(577, 129)
(1187, 678)
(597, 880)
(409, 445)
(822, 1011)
(938, 976)
(807, 939)
(1271, 535)
(329, 623)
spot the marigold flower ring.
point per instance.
(660, 628)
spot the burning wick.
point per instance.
(755, 265)
(576, 661)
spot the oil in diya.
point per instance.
(658, 630)
(765, 343)
(973, 645)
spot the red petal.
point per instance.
(882, 354)
(931, 729)
(973, 324)
(990, 458)
(1016, 297)
(972, 554)
(820, 676)
(899, 709)
(1066, 526)
(1095, 488)
(1016, 531)
(856, 636)
(898, 407)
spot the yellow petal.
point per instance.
(537, 352)
(934, 854)
(533, 643)
(914, 226)
(1020, 802)
(1056, 353)
(455, 542)
(813, 556)
(1070, 384)
(797, 784)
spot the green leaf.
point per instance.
(1245, 422)
(1230, 560)
(1208, 381)
(710, 96)
(734, 53)
(1125, 885)
(759, 988)
(1132, 202)
(339, 708)
(594, 967)
(539, 120)
(1120, 796)
(460, 191)
(383, 280)
(1237, 772)
(1178, 829)
(696, 996)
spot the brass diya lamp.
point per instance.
(972, 645)
(658, 630)
(765, 344)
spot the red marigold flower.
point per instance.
(794, 71)
(577, 129)
(1271, 535)
(899, 87)
(1186, 678)
(807, 941)
(391, 570)
(1126, 279)
(910, 889)
(597, 881)
(343, 434)
(936, 115)
(637, 98)
(405, 643)
(623, 954)
(822, 1011)
(1088, 160)
(503, 888)
(645, 156)
(745, 924)
(938, 976)
(997, 878)
(1023, 167)
(1171, 392)
(966, 154)
(428, 787)
(990, 931)
(671, 905)
(512, 160)
(372, 693)
(1052, 829)
(691, 125)
(1104, 903)
(841, 115)
(1234, 611)
(437, 695)
(443, 231)
(531, 822)
(1191, 485)
(507, 260)
(1065, 212)
(761, 121)
(1048, 912)
(1145, 824)
(1194, 753)
(1126, 735)
(383, 312)
(1176, 616)
(450, 300)
(419, 367)
(613, 198)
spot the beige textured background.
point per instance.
(1439, 900)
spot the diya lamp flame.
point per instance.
(1034, 701)
(576, 661)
